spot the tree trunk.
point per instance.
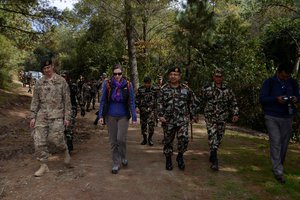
(131, 45)
(296, 67)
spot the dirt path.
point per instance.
(91, 178)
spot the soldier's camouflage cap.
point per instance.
(104, 75)
(174, 69)
(218, 72)
(159, 77)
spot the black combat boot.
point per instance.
(150, 142)
(210, 156)
(169, 165)
(144, 142)
(70, 145)
(180, 161)
(96, 121)
(214, 160)
(82, 113)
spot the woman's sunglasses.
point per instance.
(119, 74)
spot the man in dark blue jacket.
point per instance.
(278, 95)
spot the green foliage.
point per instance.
(9, 61)
(281, 39)
(248, 155)
(247, 38)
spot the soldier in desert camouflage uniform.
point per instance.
(50, 113)
(219, 102)
(177, 106)
(146, 102)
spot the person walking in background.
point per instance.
(219, 103)
(117, 106)
(86, 95)
(99, 89)
(69, 130)
(80, 83)
(146, 102)
(278, 95)
(94, 91)
(50, 114)
(177, 106)
(29, 81)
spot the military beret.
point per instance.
(46, 63)
(174, 69)
(218, 72)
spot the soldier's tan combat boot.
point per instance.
(67, 159)
(42, 170)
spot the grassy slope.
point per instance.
(247, 157)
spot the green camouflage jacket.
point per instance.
(177, 105)
(146, 99)
(218, 103)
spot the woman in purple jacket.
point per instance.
(117, 107)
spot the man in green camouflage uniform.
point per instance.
(69, 131)
(146, 102)
(80, 83)
(50, 113)
(220, 103)
(177, 106)
(86, 95)
(157, 86)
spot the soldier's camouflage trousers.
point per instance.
(181, 133)
(93, 99)
(215, 131)
(87, 102)
(147, 123)
(45, 131)
(69, 129)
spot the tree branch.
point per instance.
(21, 30)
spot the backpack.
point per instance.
(108, 88)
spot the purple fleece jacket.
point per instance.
(118, 109)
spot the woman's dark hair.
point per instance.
(117, 66)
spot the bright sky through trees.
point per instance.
(62, 4)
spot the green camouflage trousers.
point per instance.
(215, 131)
(181, 133)
(147, 123)
(45, 131)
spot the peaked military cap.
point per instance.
(218, 72)
(174, 69)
